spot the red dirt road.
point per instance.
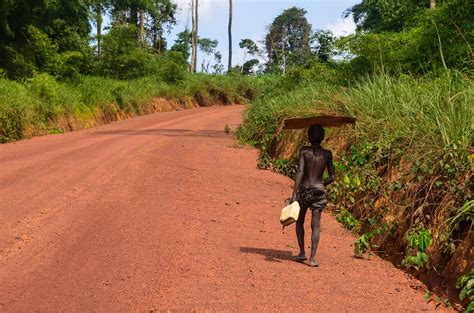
(166, 212)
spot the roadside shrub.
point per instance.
(123, 58)
(466, 284)
(42, 51)
(14, 116)
(172, 67)
(418, 240)
(18, 66)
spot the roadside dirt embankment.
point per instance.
(72, 122)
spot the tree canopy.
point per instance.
(287, 40)
(386, 15)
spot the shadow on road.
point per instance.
(174, 132)
(271, 255)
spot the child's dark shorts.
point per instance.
(312, 197)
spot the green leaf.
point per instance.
(470, 283)
(470, 308)
(427, 295)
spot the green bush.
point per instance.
(466, 284)
(12, 115)
(348, 220)
(172, 67)
(418, 240)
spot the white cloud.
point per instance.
(342, 27)
(206, 9)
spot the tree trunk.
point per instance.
(134, 14)
(98, 20)
(229, 63)
(283, 53)
(193, 43)
(142, 28)
(432, 4)
(196, 36)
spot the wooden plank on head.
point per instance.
(323, 120)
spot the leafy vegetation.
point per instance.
(418, 241)
(466, 284)
(348, 220)
(362, 244)
(42, 105)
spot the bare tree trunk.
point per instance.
(98, 20)
(229, 63)
(432, 4)
(134, 14)
(193, 43)
(196, 36)
(283, 52)
(142, 27)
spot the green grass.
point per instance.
(41, 104)
(434, 113)
(431, 113)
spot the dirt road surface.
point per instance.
(166, 212)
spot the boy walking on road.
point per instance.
(309, 189)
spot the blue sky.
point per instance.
(251, 17)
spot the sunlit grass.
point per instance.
(432, 113)
(35, 106)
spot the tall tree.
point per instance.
(39, 36)
(322, 44)
(287, 41)
(196, 33)
(97, 10)
(98, 25)
(250, 48)
(160, 21)
(193, 37)
(142, 27)
(182, 43)
(229, 63)
(386, 15)
(150, 17)
(208, 47)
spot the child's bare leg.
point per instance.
(315, 227)
(300, 235)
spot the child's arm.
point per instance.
(331, 171)
(299, 176)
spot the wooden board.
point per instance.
(323, 120)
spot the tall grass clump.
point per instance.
(432, 113)
(263, 117)
(436, 111)
(14, 99)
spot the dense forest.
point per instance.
(405, 172)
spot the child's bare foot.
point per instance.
(300, 257)
(313, 262)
